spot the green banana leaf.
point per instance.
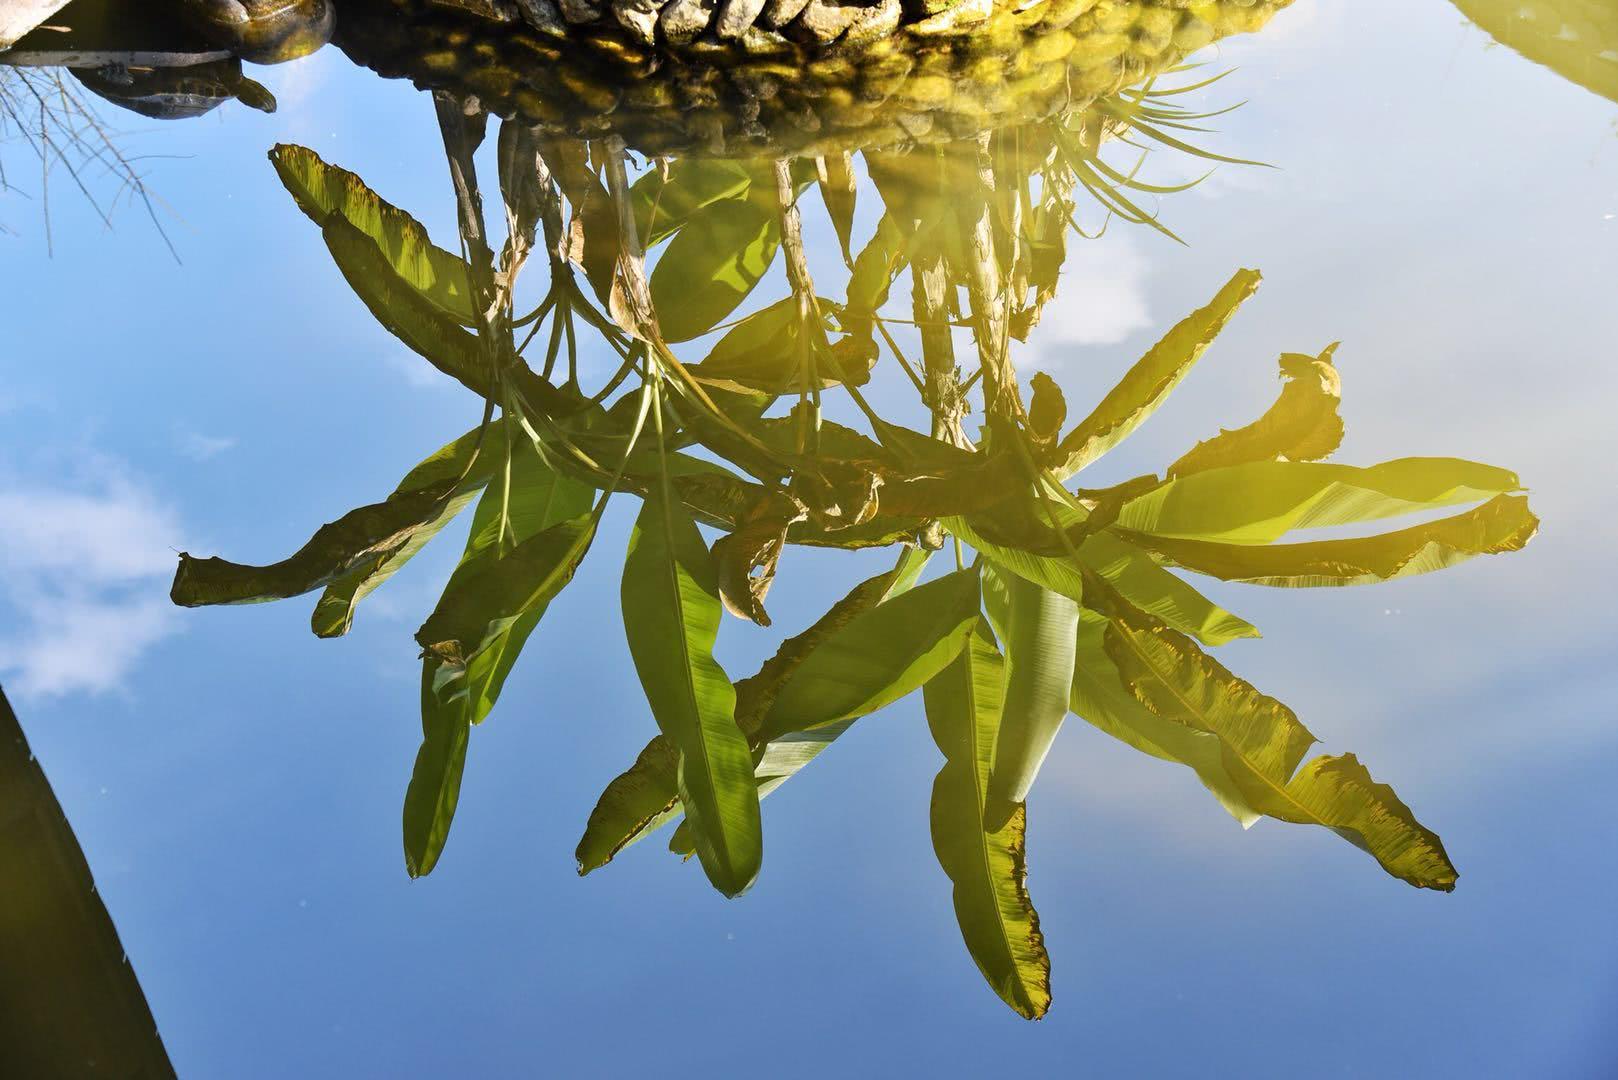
(986, 864)
(712, 264)
(1100, 698)
(1302, 425)
(489, 608)
(1263, 744)
(1262, 501)
(402, 310)
(334, 613)
(645, 797)
(360, 549)
(1129, 571)
(761, 352)
(1153, 378)
(1502, 524)
(664, 204)
(1038, 629)
(671, 616)
(880, 656)
(322, 190)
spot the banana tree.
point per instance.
(1057, 599)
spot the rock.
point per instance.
(639, 17)
(872, 24)
(579, 12)
(543, 16)
(685, 20)
(824, 20)
(953, 20)
(777, 13)
(736, 17)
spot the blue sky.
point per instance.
(1447, 210)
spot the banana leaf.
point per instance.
(1302, 425)
(493, 602)
(645, 797)
(712, 264)
(1262, 501)
(1153, 378)
(322, 190)
(1263, 744)
(671, 616)
(1502, 524)
(357, 552)
(987, 864)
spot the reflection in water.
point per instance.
(977, 146)
(70, 1004)
(1578, 39)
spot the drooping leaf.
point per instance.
(334, 613)
(878, 657)
(403, 311)
(1302, 425)
(1262, 501)
(592, 240)
(1134, 576)
(664, 204)
(712, 264)
(761, 352)
(646, 796)
(671, 617)
(490, 593)
(1128, 571)
(489, 608)
(1263, 744)
(322, 190)
(1153, 377)
(839, 189)
(1100, 698)
(1502, 524)
(1038, 634)
(435, 782)
(366, 544)
(637, 802)
(987, 864)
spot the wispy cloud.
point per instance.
(199, 447)
(83, 576)
(1102, 299)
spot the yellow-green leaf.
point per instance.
(671, 617)
(363, 546)
(322, 190)
(1100, 698)
(334, 613)
(1302, 425)
(1262, 501)
(986, 864)
(1502, 524)
(1153, 377)
(712, 264)
(878, 657)
(646, 796)
(1263, 744)
(1037, 630)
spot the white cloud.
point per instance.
(83, 576)
(199, 447)
(1101, 299)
